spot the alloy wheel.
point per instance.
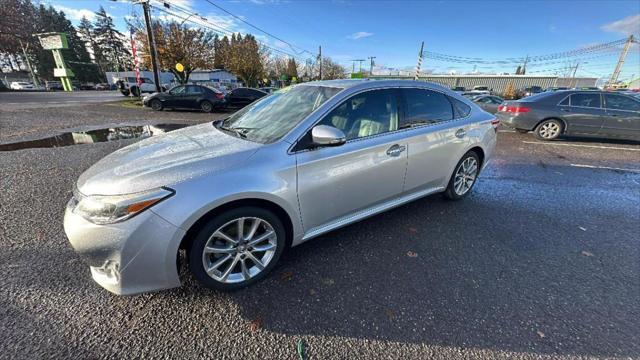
(549, 130)
(206, 106)
(239, 250)
(465, 176)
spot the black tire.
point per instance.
(451, 193)
(156, 104)
(206, 106)
(522, 131)
(549, 129)
(124, 92)
(135, 91)
(197, 247)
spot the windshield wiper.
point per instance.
(237, 131)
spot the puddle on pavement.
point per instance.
(93, 136)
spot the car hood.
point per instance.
(164, 160)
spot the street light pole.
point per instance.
(371, 65)
(152, 43)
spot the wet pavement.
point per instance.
(541, 261)
(79, 137)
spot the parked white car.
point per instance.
(129, 85)
(21, 85)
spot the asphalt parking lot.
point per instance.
(542, 260)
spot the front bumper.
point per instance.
(130, 257)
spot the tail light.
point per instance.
(219, 96)
(515, 109)
(495, 123)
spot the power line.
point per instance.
(209, 25)
(261, 30)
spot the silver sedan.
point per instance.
(234, 194)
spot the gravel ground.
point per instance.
(541, 261)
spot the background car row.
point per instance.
(201, 97)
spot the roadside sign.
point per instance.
(179, 67)
(53, 41)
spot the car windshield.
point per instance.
(273, 116)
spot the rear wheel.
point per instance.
(237, 248)
(464, 176)
(548, 129)
(206, 106)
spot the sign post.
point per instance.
(57, 42)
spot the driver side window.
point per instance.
(366, 114)
(177, 90)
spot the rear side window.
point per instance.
(461, 109)
(425, 107)
(192, 89)
(586, 100)
(617, 102)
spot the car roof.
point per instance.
(371, 84)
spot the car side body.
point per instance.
(242, 96)
(586, 113)
(312, 189)
(186, 97)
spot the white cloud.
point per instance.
(359, 35)
(629, 25)
(75, 14)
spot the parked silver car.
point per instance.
(299, 163)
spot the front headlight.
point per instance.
(109, 209)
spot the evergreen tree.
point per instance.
(114, 55)
(86, 33)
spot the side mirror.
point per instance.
(324, 135)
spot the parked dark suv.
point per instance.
(572, 112)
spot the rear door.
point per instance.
(192, 96)
(583, 113)
(622, 116)
(435, 138)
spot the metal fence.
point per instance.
(498, 83)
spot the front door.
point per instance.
(622, 117)
(175, 96)
(369, 169)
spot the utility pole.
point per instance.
(415, 78)
(573, 77)
(524, 66)
(320, 62)
(623, 55)
(371, 65)
(152, 43)
(26, 58)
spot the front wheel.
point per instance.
(156, 104)
(237, 248)
(548, 129)
(464, 176)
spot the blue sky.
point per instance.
(392, 30)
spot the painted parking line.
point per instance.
(506, 131)
(580, 145)
(605, 168)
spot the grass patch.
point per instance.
(132, 103)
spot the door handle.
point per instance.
(396, 150)
(461, 133)
(565, 110)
